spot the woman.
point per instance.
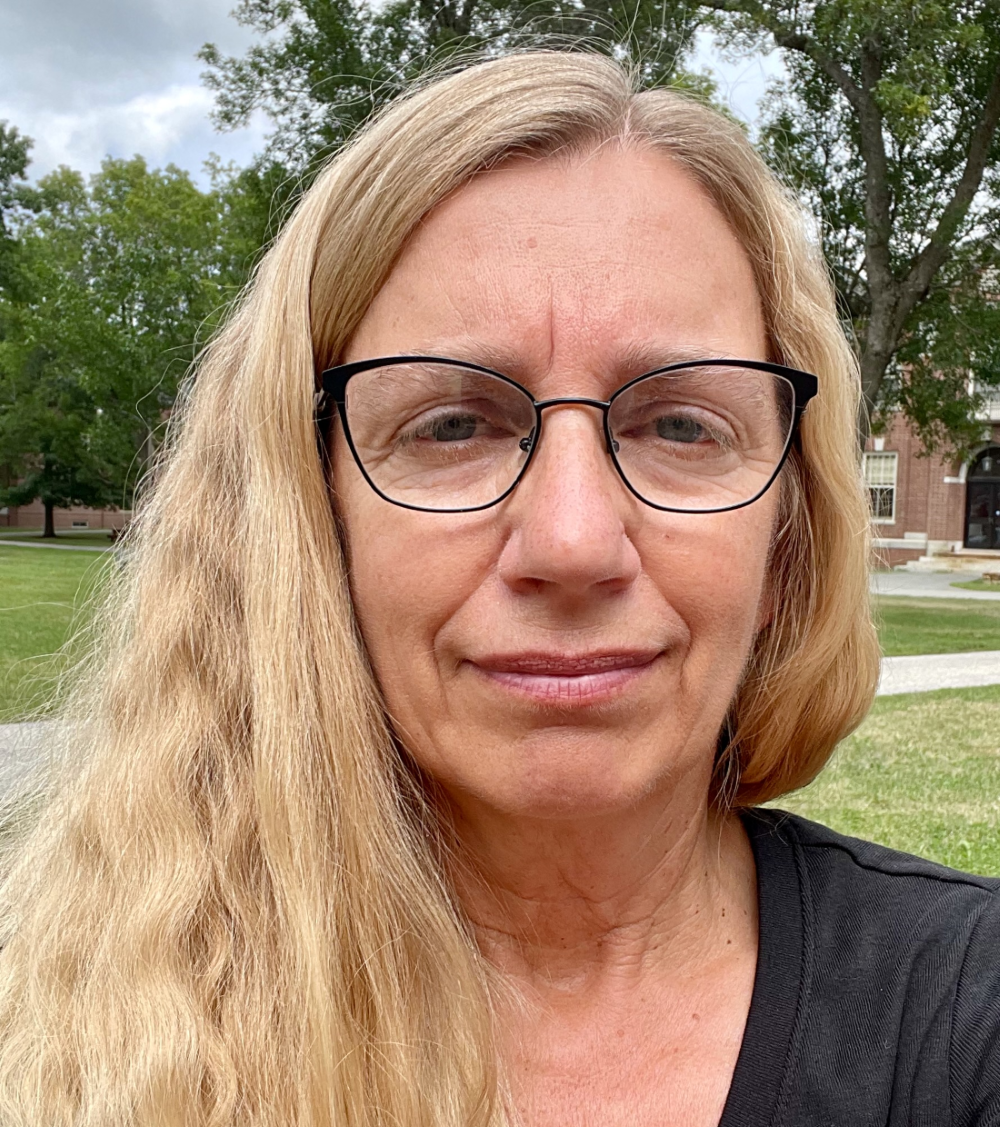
(510, 551)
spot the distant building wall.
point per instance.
(33, 516)
(929, 511)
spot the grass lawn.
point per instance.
(921, 774)
(979, 585)
(41, 592)
(937, 626)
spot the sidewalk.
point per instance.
(21, 749)
(925, 672)
(926, 585)
(58, 547)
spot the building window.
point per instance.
(880, 477)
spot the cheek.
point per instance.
(713, 572)
(410, 573)
(405, 584)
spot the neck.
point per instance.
(564, 905)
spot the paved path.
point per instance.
(21, 748)
(938, 671)
(927, 585)
(59, 547)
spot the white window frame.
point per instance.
(881, 471)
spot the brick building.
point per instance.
(33, 517)
(939, 511)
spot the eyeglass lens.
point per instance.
(445, 437)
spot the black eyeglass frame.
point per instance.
(334, 383)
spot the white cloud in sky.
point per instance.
(91, 78)
(170, 125)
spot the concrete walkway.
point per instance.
(58, 547)
(22, 747)
(924, 672)
(927, 585)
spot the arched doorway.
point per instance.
(982, 500)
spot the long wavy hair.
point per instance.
(234, 911)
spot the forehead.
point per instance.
(613, 259)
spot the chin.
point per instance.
(568, 803)
(574, 787)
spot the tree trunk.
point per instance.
(880, 344)
(50, 524)
(873, 369)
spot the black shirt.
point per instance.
(877, 994)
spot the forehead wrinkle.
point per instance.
(472, 350)
(552, 326)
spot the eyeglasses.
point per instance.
(447, 436)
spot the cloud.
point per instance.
(152, 124)
(167, 126)
(55, 51)
(88, 78)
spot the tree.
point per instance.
(14, 158)
(119, 280)
(254, 203)
(157, 278)
(323, 66)
(47, 419)
(50, 438)
(887, 124)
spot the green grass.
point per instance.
(937, 626)
(42, 597)
(978, 585)
(92, 537)
(921, 774)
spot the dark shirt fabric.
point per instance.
(877, 996)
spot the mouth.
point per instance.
(562, 680)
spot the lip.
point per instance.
(563, 680)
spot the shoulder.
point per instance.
(864, 904)
(835, 865)
(900, 970)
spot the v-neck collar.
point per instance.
(758, 1093)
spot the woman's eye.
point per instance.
(452, 428)
(680, 428)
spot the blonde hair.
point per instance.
(236, 913)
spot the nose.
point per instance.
(571, 513)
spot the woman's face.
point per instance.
(571, 650)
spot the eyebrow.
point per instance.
(625, 362)
(474, 351)
(636, 359)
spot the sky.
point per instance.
(91, 78)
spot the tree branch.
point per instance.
(791, 40)
(465, 16)
(939, 245)
(860, 96)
